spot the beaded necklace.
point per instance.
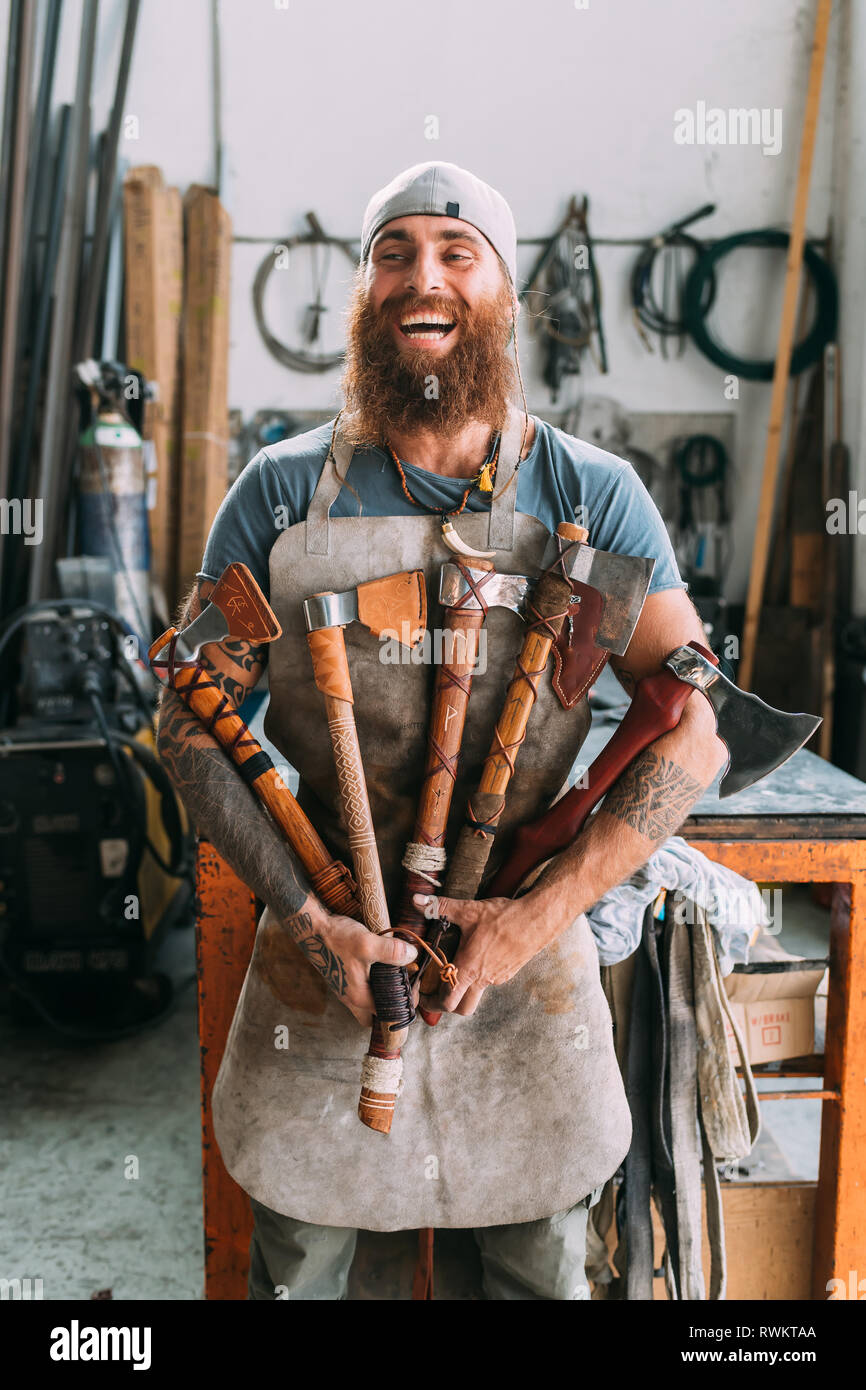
(483, 479)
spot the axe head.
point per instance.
(236, 610)
(395, 606)
(758, 738)
(622, 581)
(499, 590)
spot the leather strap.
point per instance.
(334, 470)
(500, 535)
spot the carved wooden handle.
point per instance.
(549, 606)
(331, 673)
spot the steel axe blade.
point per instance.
(622, 581)
(236, 609)
(758, 738)
(499, 590)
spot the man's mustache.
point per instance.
(409, 305)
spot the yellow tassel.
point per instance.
(485, 482)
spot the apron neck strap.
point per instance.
(333, 475)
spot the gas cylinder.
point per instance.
(113, 512)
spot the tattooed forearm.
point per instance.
(245, 655)
(299, 925)
(225, 811)
(327, 963)
(653, 796)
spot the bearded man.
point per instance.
(513, 1113)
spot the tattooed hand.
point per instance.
(342, 951)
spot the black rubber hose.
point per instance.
(806, 353)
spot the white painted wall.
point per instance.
(324, 100)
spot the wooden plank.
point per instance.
(760, 550)
(153, 236)
(774, 828)
(225, 931)
(790, 861)
(768, 1241)
(840, 1239)
(205, 430)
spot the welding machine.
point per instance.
(95, 850)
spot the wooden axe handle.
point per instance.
(447, 721)
(330, 879)
(331, 674)
(549, 604)
(657, 707)
(445, 738)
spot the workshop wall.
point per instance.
(324, 100)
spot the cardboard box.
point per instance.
(205, 354)
(774, 1008)
(153, 243)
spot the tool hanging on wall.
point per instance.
(807, 351)
(320, 244)
(669, 250)
(565, 274)
(701, 462)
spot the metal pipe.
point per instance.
(10, 88)
(59, 386)
(85, 336)
(39, 162)
(12, 580)
(113, 303)
(20, 138)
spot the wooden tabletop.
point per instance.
(805, 798)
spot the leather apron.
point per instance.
(510, 1115)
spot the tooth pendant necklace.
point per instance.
(483, 481)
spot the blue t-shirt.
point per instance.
(561, 479)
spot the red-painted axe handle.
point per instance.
(656, 708)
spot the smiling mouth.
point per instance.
(423, 329)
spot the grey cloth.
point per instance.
(444, 190)
(733, 905)
(530, 1261)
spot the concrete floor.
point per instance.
(75, 1115)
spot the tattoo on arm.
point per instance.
(326, 962)
(653, 796)
(245, 654)
(225, 810)
(318, 953)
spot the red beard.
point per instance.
(388, 388)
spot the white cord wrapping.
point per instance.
(425, 860)
(382, 1074)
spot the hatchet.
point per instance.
(238, 611)
(395, 606)
(573, 572)
(758, 738)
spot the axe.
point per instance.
(573, 573)
(758, 738)
(238, 610)
(394, 606)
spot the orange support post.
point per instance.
(840, 1208)
(225, 931)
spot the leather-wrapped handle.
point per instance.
(217, 715)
